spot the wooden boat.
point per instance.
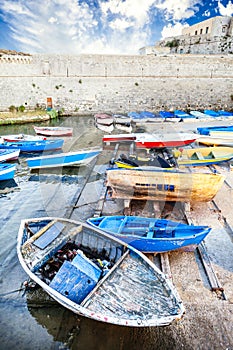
(124, 127)
(63, 159)
(211, 112)
(134, 116)
(96, 275)
(119, 137)
(181, 114)
(225, 113)
(151, 235)
(222, 133)
(33, 146)
(203, 156)
(149, 117)
(208, 129)
(9, 154)
(122, 119)
(53, 130)
(22, 137)
(216, 141)
(132, 162)
(103, 119)
(200, 115)
(169, 116)
(152, 183)
(7, 171)
(146, 140)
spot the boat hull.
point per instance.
(151, 235)
(80, 283)
(203, 156)
(164, 140)
(163, 185)
(22, 137)
(53, 131)
(216, 141)
(33, 146)
(7, 171)
(62, 159)
(6, 155)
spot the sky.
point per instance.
(98, 26)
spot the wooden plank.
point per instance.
(214, 283)
(165, 264)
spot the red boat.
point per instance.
(119, 137)
(22, 137)
(53, 130)
(164, 140)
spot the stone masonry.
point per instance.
(86, 84)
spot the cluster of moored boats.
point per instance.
(98, 269)
(109, 121)
(12, 145)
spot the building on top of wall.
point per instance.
(216, 26)
(212, 36)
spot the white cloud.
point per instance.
(67, 26)
(178, 10)
(94, 26)
(172, 30)
(52, 20)
(225, 11)
(137, 10)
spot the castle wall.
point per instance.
(87, 84)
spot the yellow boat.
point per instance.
(203, 156)
(152, 183)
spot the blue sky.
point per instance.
(98, 26)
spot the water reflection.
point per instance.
(79, 333)
(8, 186)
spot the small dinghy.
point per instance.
(53, 130)
(96, 275)
(7, 171)
(33, 146)
(151, 235)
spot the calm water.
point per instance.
(22, 325)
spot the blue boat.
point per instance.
(33, 146)
(165, 114)
(225, 113)
(206, 130)
(181, 114)
(63, 159)
(151, 235)
(211, 113)
(134, 115)
(7, 171)
(199, 115)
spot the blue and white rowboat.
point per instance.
(33, 146)
(63, 159)
(7, 171)
(8, 154)
(151, 235)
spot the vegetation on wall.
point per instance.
(173, 43)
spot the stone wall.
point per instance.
(86, 84)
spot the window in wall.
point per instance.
(224, 29)
(201, 30)
(206, 30)
(195, 32)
